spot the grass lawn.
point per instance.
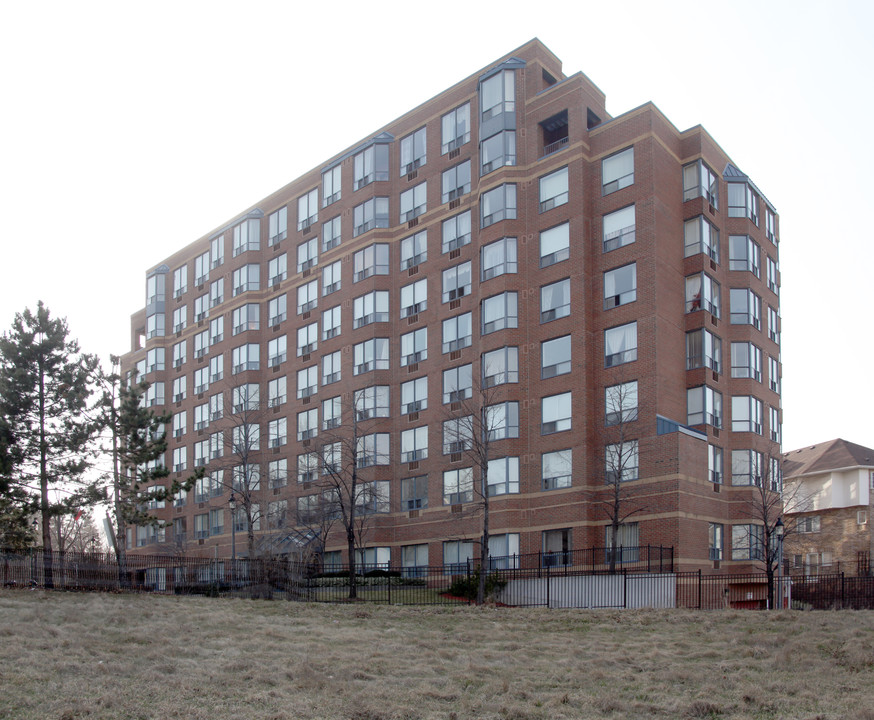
(65, 656)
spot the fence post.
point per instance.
(624, 587)
(842, 589)
(388, 578)
(548, 583)
(649, 558)
(468, 580)
(699, 588)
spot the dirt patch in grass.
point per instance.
(110, 656)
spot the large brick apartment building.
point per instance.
(610, 284)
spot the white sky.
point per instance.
(129, 130)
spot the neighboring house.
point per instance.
(830, 530)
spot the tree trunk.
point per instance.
(48, 581)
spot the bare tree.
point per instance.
(621, 464)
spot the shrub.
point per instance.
(466, 586)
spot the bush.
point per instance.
(466, 587)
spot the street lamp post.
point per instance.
(779, 528)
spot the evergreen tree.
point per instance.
(45, 387)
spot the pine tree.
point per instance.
(45, 386)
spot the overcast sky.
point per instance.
(130, 130)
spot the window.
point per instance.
(747, 541)
(201, 344)
(414, 444)
(499, 258)
(414, 151)
(620, 286)
(245, 398)
(773, 273)
(619, 228)
(201, 382)
(201, 526)
(700, 181)
(217, 292)
(557, 548)
(743, 202)
(555, 357)
(504, 551)
(180, 281)
(457, 434)
(180, 320)
(746, 414)
(500, 312)
(372, 402)
(331, 234)
(503, 476)
(372, 260)
(456, 231)
(331, 323)
(277, 351)
(180, 423)
(746, 467)
(332, 456)
(370, 214)
(277, 514)
(770, 225)
(179, 353)
(456, 282)
(701, 237)
(216, 522)
(455, 128)
(500, 366)
(457, 487)
(497, 95)
(216, 406)
(746, 361)
(457, 384)
(617, 171)
(414, 250)
(180, 461)
(774, 374)
(414, 298)
(702, 293)
(704, 406)
(370, 164)
(216, 330)
(455, 182)
(744, 254)
(371, 355)
(414, 202)
(620, 345)
(307, 254)
(746, 307)
(331, 368)
(414, 493)
(155, 324)
(277, 432)
(457, 556)
(201, 307)
(497, 151)
(216, 368)
(307, 424)
(277, 310)
(154, 395)
(714, 464)
(773, 325)
(216, 445)
(307, 467)
(502, 420)
(370, 308)
(277, 226)
(307, 209)
(245, 437)
(621, 462)
(808, 524)
(498, 204)
(373, 558)
(414, 347)
(307, 381)
(201, 269)
(307, 339)
(332, 413)
(179, 388)
(308, 297)
(553, 189)
(373, 450)
(414, 560)
(621, 403)
(246, 278)
(201, 417)
(555, 245)
(715, 540)
(246, 317)
(703, 349)
(216, 251)
(774, 425)
(557, 469)
(276, 392)
(555, 413)
(331, 185)
(457, 332)
(414, 396)
(245, 357)
(155, 359)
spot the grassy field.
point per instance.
(67, 656)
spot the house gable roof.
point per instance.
(823, 457)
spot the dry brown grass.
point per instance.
(68, 656)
